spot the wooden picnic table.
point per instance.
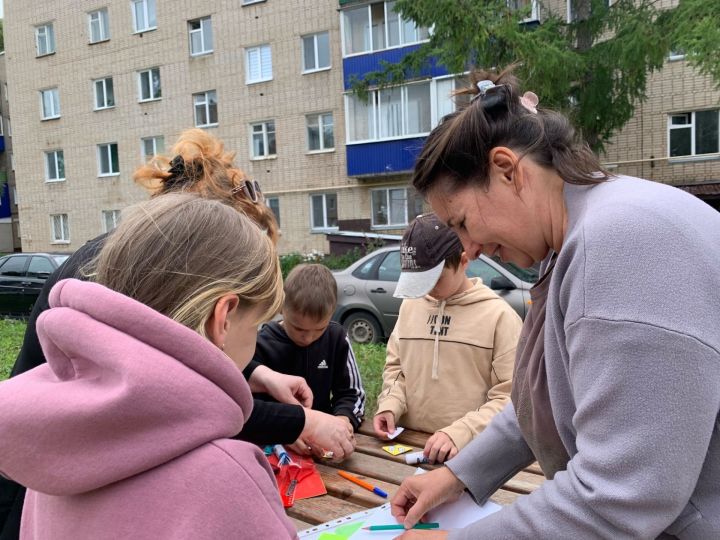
(370, 462)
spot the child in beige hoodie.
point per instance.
(450, 358)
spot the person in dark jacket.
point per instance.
(200, 165)
(307, 344)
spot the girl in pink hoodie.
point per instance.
(124, 433)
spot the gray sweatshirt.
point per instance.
(632, 350)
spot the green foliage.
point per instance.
(595, 69)
(371, 361)
(333, 262)
(11, 338)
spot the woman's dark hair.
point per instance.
(458, 148)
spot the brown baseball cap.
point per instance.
(426, 244)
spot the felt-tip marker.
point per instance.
(363, 484)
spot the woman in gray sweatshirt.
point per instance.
(616, 391)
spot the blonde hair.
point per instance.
(310, 290)
(180, 253)
(207, 169)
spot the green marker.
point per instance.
(399, 527)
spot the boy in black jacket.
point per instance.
(307, 344)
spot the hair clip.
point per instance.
(483, 86)
(530, 101)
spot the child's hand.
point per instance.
(439, 448)
(384, 424)
(300, 447)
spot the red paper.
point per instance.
(309, 484)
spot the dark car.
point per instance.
(368, 310)
(22, 275)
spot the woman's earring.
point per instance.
(222, 347)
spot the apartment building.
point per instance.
(96, 87)
(9, 226)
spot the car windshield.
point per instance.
(529, 275)
(59, 259)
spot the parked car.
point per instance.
(22, 275)
(368, 310)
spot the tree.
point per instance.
(595, 68)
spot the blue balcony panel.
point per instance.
(5, 211)
(384, 157)
(2, 143)
(365, 63)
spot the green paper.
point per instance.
(330, 536)
(346, 531)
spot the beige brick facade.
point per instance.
(294, 174)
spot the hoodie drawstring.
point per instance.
(436, 349)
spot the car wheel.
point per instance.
(362, 328)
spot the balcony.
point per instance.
(382, 157)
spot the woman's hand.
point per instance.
(439, 448)
(422, 535)
(284, 388)
(420, 494)
(384, 424)
(299, 447)
(325, 432)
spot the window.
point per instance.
(320, 134)
(262, 137)
(45, 39)
(108, 159)
(152, 146)
(324, 211)
(50, 103)
(110, 219)
(274, 205)
(248, 2)
(54, 166)
(693, 133)
(149, 84)
(104, 95)
(481, 269)
(99, 25)
(676, 53)
(144, 16)
(391, 207)
(316, 52)
(390, 267)
(60, 228)
(205, 108)
(528, 6)
(378, 26)
(258, 66)
(40, 267)
(201, 36)
(9, 127)
(14, 266)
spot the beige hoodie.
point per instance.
(449, 363)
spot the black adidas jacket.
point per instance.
(328, 365)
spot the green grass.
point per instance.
(11, 337)
(371, 360)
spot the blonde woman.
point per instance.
(124, 433)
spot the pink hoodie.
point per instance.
(124, 432)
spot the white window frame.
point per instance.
(268, 200)
(156, 150)
(53, 154)
(204, 37)
(149, 72)
(108, 149)
(9, 127)
(48, 37)
(374, 102)
(259, 50)
(251, 2)
(388, 225)
(316, 54)
(64, 229)
(206, 104)
(146, 15)
(55, 102)
(2, 125)
(114, 214)
(675, 56)
(693, 136)
(104, 81)
(103, 25)
(372, 48)
(266, 145)
(321, 126)
(324, 226)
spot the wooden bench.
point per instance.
(372, 463)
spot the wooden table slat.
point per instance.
(343, 489)
(299, 524)
(322, 509)
(374, 467)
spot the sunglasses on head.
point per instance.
(251, 190)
